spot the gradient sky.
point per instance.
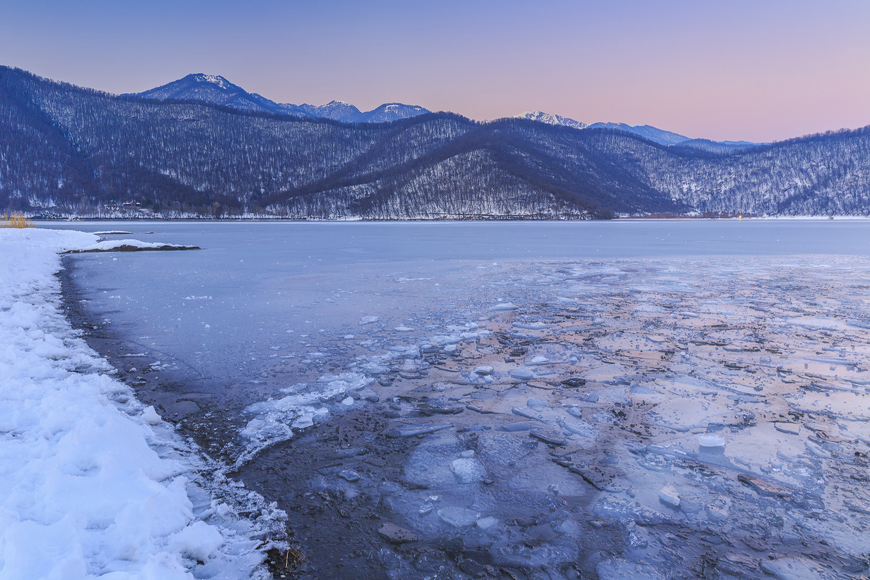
(728, 69)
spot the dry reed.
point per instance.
(15, 220)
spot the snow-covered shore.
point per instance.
(93, 483)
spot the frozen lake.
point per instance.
(260, 295)
(680, 375)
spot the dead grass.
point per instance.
(15, 220)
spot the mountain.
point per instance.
(66, 150)
(393, 112)
(646, 131)
(715, 146)
(213, 89)
(346, 113)
(335, 110)
(550, 119)
(219, 91)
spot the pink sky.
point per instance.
(759, 71)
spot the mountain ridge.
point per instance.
(649, 132)
(217, 90)
(66, 150)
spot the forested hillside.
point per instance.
(65, 150)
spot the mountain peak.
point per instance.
(213, 79)
(550, 119)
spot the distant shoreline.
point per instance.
(452, 220)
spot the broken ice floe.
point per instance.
(276, 418)
(675, 411)
(677, 389)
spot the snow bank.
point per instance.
(91, 483)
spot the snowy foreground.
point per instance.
(92, 483)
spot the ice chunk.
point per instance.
(710, 441)
(531, 325)
(539, 360)
(349, 475)
(484, 370)
(486, 523)
(522, 374)
(369, 395)
(535, 402)
(457, 516)
(150, 416)
(468, 470)
(669, 496)
(303, 421)
(520, 426)
(375, 368)
(526, 414)
(547, 436)
(503, 307)
(367, 320)
(320, 415)
(411, 430)
(397, 535)
(347, 401)
(581, 428)
(792, 569)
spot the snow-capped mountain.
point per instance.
(551, 119)
(347, 113)
(213, 89)
(217, 90)
(335, 110)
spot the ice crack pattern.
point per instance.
(689, 416)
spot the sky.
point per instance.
(761, 70)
